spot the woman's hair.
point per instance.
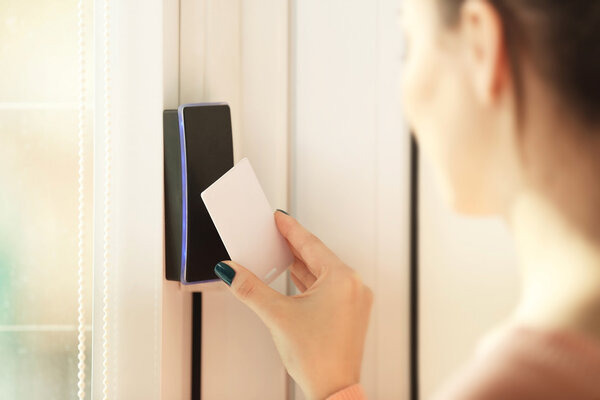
(562, 39)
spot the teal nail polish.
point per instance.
(282, 211)
(225, 272)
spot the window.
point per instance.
(39, 103)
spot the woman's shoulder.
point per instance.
(519, 362)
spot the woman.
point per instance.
(504, 97)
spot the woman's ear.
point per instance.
(485, 52)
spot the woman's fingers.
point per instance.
(301, 287)
(302, 273)
(306, 246)
(249, 289)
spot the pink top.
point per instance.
(521, 364)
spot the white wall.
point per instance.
(350, 162)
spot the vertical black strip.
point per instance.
(196, 345)
(414, 270)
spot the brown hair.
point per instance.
(562, 38)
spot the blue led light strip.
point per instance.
(184, 196)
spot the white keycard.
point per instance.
(245, 222)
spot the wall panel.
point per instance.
(350, 163)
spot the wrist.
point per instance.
(353, 392)
(324, 390)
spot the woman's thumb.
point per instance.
(249, 289)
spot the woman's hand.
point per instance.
(319, 333)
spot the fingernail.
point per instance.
(225, 272)
(282, 211)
